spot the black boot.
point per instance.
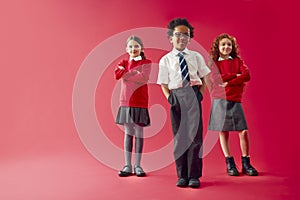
(247, 168)
(231, 168)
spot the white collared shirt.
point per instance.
(136, 58)
(170, 72)
(220, 58)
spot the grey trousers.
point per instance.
(187, 128)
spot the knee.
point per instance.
(139, 132)
(224, 134)
(244, 133)
(129, 130)
(128, 137)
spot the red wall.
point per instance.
(44, 43)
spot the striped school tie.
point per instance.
(184, 70)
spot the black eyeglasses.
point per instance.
(179, 35)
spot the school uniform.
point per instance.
(185, 109)
(134, 91)
(227, 112)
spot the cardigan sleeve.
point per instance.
(244, 77)
(215, 75)
(228, 77)
(140, 74)
(119, 73)
(218, 78)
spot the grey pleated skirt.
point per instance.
(139, 116)
(227, 116)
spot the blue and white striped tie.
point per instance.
(184, 70)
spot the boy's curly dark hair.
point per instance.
(214, 51)
(178, 22)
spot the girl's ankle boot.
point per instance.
(247, 168)
(231, 168)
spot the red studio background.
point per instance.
(43, 46)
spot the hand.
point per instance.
(135, 72)
(223, 84)
(121, 67)
(238, 75)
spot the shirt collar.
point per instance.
(220, 58)
(176, 52)
(136, 58)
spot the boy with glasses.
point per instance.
(181, 76)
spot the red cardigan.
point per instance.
(226, 71)
(134, 89)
